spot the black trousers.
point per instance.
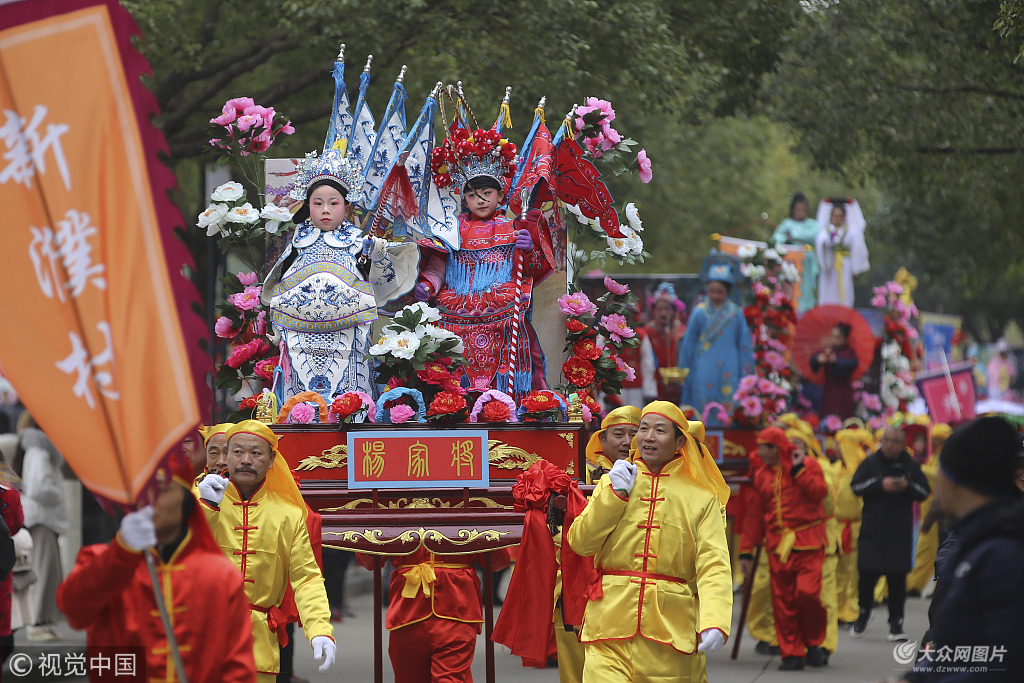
(897, 594)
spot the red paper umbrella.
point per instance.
(814, 334)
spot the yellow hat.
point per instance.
(623, 415)
(701, 465)
(808, 440)
(279, 477)
(941, 430)
(209, 432)
(697, 429)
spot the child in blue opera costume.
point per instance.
(717, 347)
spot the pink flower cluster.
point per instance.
(758, 398)
(599, 136)
(248, 127)
(576, 304)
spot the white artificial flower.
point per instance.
(746, 251)
(382, 346)
(619, 246)
(274, 216)
(212, 218)
(772, 255)
(427, 314)
(756, 272)
(789, 272)
(243, 214)
(403, 345)
(228, 192)
(745, 269)
(440, 334)
(633, 216)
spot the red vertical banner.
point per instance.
(950, 398)
(93, 339)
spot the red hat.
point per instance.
(774, 436)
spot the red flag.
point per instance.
(579, 182)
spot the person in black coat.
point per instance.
(889, 481)
(978, 607)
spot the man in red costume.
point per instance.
(434, 614)
(109, 593)
(664, 332)
(786, 510)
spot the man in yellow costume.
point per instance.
(258, 519)
(657, 533)
(215, 446)
(607, 446)
(853, 445)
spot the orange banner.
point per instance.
(92, 340)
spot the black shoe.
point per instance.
(764, 648)
(792, 664)
(860, 626)
(896, 634)
(816, 656)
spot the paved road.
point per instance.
(856, 661)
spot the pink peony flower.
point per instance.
(752, 406)
(644, 164)
(225, 119)
(747, 384)
(832, 424)
(878, 301)
(766, 386)
(774, 360)
(247, 121)
(224, 329)
(877, 422)
(247, 279)
(238, 104)
(622, 366)
(594, 104)
(261, 143)
(302, 413)
(872, 402)
(401, 413)
(246, 300)
(286, 129)
(894, 287)
(780, 405)
(260, 326)
(611, 135)
(595, 146)
(615, 287)
(616, 327)
(265, 368)
(576, 304)
(245, 352)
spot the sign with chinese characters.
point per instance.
(417, 459)
(92, 336)
(949, 397)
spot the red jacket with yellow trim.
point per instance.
(110, 594)
(424, 584)
(778, 500)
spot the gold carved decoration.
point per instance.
(466, 536)
(416, 503)
(506, 457)
(336, 456)
(731, 448)
(570, 438)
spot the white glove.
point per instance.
(622, 475)
(137, 529)
(711, 640)
(323, 648)
(212, 488)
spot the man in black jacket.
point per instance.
(889, 481)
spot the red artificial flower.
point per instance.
(434, 373)
(446, 403)
(539, 401)
(265, 368)
(575, 326)
(495, 411)
(590, 403)
(578, 372)
(587, 349)
(248, 403)
(246, 352)
(345, 405)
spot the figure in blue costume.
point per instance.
(321, 301)
(800, 228)
(717, 347)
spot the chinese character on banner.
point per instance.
(98, 316)
(462, 456)
(950, 398)
(419, 464)
(373, 459)
(27, 144)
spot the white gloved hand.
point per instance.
(711, 640)
(622, 475)
(323, 648)
(137, 529)
(212, 488)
